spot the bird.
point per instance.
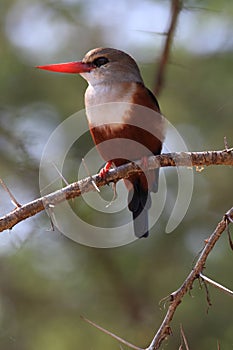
(124, 119)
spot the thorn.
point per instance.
(12, 197)
(229, 215)
(216, 285)
(228, 219)
(152, 32)
(88, 173)
(199, 8)
(226, 143)
(63, 178)
(184, 337)
(49, 208)
(164, 301)
(111, 334)
(114, 195)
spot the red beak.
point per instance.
(69, 67)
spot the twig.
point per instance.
(176, 297)
(176, 7)
(75, 189)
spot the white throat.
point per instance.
(104, 97)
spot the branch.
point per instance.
(176, 7)
(176, 297)
(188, 159)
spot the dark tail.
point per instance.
(139, 204)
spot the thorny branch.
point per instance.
(176, 297)
(188, 159)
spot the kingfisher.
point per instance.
(124, 119)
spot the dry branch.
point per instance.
(176, 7)
(176, 297)
(188, 159)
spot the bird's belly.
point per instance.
(122, 142)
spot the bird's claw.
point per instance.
(103, 172)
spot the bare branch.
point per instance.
(176, 297)
(75, 189)
(176, 7)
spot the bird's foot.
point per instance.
(103, 172)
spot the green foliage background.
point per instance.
(48, 281)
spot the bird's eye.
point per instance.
(100, 61)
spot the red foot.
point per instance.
(105, 169)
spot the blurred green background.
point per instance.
(47, 281)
